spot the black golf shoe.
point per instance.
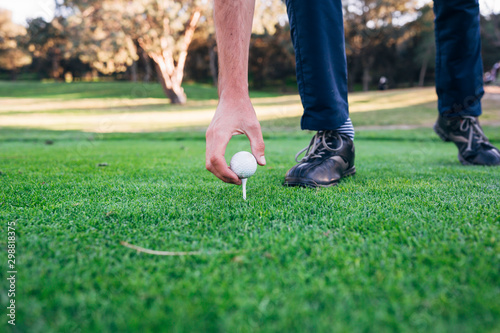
(329, 157)
(473, 146)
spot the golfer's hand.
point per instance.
(232, 117)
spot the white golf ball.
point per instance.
(243, 164)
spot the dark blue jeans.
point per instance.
(459, 66)
(318, 37)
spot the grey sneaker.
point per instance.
(473, 146)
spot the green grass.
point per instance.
(420, 115)
(409, 244)
(128, 90)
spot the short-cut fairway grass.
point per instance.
(106, 107)
(409, 244)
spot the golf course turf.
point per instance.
(411, 243)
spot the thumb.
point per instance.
(254, 134)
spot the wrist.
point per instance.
(234, 92)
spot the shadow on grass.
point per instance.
(9, 134)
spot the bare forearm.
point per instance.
(235, 113)
(233, 26)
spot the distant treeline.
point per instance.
(89, 46)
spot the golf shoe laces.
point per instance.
(318, 146)
(470, 124)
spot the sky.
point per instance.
(490, 6)
(487, 6)
(24, 9)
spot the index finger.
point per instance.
(216, 163)
(222, 171)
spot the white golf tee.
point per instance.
(244, 185)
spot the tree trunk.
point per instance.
(214, 70)
(351, 72)
(172, 89)
(366, 78)
(56, 59)
(169, 73)
(133, 72)
(13, 74)
(496, 27)
(367, 65)
(147, 65)
(423, 69)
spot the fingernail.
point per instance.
(262, 160)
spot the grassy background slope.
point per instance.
(409, 243)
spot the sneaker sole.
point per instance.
(463, 161)
(298, 182)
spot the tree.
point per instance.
(49, 41)
(165, 31)
(268, 14)
(107, 32)
(426, 42)
(99, 34)
(371, 24)
(12, 38)
(271, 58)
(490, 33)
(168, 27)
